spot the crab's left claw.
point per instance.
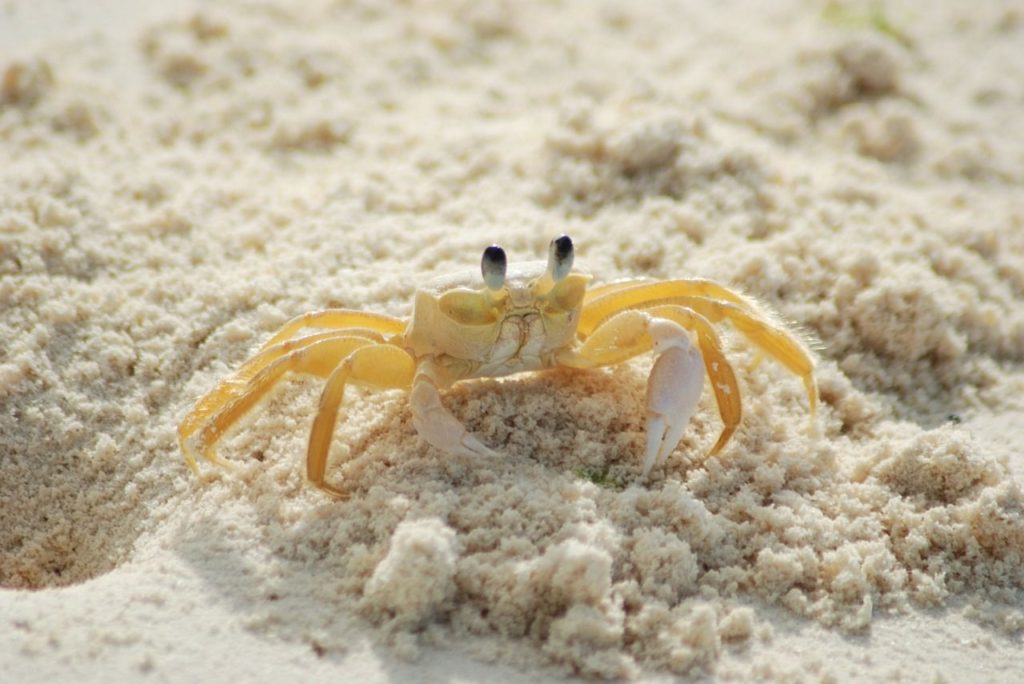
(673, 390)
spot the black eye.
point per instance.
(493, 266)
(560, 256)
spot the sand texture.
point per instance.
(176, 183)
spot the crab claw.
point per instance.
(673, 390)
(438, 427)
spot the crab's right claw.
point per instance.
(438, 426)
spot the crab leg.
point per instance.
(380, 366)
(342, 322)
(604, 300)
(338, 319)
(595, 292)
(716, 303)
(235, 384)
(436, 424)
(677, 377)
(216, 412)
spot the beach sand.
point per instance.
(176, 184)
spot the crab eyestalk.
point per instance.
(560, 257)
(494, 266)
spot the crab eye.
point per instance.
(560, 256)
(493, 266)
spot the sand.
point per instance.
(175, 183)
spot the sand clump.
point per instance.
(257, 161)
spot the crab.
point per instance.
(531, 317)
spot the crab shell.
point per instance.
(517, 328)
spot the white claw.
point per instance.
(474, 447)
(655, 436)
(673, 390)
(438, 427)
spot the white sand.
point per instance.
(175, 185)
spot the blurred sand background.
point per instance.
(176, 182)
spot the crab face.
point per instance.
(515, 322)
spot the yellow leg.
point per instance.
(597, 291)
(340, 322)
(216, 412)
(629, 333)
(338, 319)
(716, 303)
(605, 300)
(236, 383)
(381, 366)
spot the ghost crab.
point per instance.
(534, 316)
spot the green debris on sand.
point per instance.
(602, 478)
(873, 17)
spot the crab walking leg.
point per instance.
(235, 384)
(337, 319)
(609, 299)
(436, 424)
(597, 291)
(380, 366)
(677, 378)
(214, 418)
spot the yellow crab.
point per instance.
(533, 317)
